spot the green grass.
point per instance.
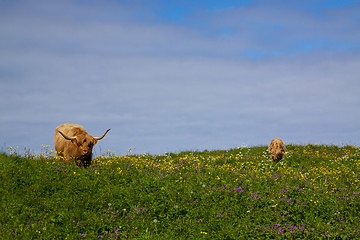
(313, 193)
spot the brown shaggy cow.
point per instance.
(276, 149)
(73, 142)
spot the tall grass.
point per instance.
(226, 194)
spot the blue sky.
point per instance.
(169, 76)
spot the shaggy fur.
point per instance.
(73, 142)
(276, 149)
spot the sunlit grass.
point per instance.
(237, 193)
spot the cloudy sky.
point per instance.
(171, 75)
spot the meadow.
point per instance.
(313, 193)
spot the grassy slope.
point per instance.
(312, 193)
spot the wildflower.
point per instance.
(155, 220)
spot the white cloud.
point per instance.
(168, 87)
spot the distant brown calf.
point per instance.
(276, 149)
(73, 142)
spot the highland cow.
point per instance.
(72, 142)
(277, 149)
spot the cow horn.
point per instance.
(66, 137)
(99, 138)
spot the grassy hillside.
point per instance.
(312, 193)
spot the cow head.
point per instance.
(279, 153)
(84, 142)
